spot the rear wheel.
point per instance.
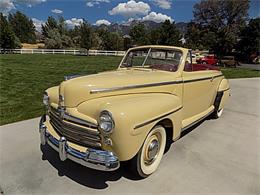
(149, 156)
(217, 114)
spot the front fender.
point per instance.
(53, 93)
(129, 111)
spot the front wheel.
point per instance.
(149, 156)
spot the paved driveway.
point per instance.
(249, 66)
(216, 157)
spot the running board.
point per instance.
(198, 120)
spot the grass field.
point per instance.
(23, 79)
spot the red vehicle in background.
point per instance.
(210, 59)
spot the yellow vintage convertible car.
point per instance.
(132, 113)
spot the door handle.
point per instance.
(212, 78)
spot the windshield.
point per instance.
(160, 59)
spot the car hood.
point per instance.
(119, 82)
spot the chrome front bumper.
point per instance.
(92, 158)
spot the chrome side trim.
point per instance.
(202, 79)
(155, 119)
(195, 122)
(133, 87)
(103, 90)
(92, 158)
(195, 80)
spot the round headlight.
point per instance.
(106, 122)
(45, 99)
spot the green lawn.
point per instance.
(233, 73)
(23, 79)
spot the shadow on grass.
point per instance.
(94, 178)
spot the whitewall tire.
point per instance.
(217, 114)
(149, 156)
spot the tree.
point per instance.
(85, 32)
(62, 26)
(250, 39)
(110, 40)
(23, 27)
(74, 34)
(52, 24)
(139, 34)
(8, 40)
(56, 34)
(114, 41)
(194, 36)
(166, 34)
(49, 25)
(53, 40)
(57, 41)
(221, 21)
(155, 36)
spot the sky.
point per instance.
(99, 12)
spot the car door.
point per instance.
(210, 60)
(198, 91)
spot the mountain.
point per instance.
(150, 25)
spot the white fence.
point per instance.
(63, 51)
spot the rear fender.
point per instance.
(223, 94)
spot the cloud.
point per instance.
(57, 11)
(91, 3)
(71, 23)
(6, 6)
(157, 17)
(29, 3)
(130, 20)
(100, 22)
(131, 9)
(164, 4)
(38, 24)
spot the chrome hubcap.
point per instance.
(153, 149)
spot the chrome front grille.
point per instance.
(75, 130)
